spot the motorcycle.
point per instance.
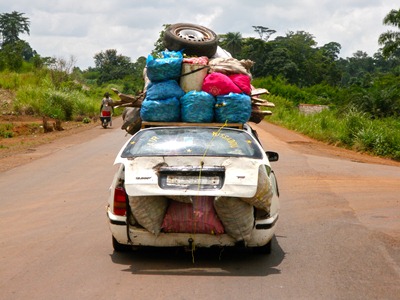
(105, 118)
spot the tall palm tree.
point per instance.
(390, 40)
(232, 42)
(12, 25)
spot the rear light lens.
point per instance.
(119, 201)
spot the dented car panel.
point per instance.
(142, 175)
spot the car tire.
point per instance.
(266, 249)
(191, 39)
(120, 247)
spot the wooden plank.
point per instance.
(263, 112)
(265, 104)
(256, 92)
(128, 100)
(124, 105)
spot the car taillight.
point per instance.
(119, 201)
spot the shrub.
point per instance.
(351, 123)
(6, 130)
(29, 100)
(58, 105)
(63, 105)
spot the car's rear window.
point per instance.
(192, 142)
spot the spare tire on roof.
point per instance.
(193, 40)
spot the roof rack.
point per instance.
(146, 124)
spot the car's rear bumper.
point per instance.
(262, 233)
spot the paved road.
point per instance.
(338, 236)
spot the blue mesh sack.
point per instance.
(167, 110)
(233, 108)
(197, 107)
(165, 68)
(164, 90)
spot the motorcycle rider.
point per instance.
(107, 106)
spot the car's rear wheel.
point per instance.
(118, 247)
(191, 39)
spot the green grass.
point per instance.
(350, 129)
(36, 94)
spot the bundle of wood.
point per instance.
(257, 114)
(128, 100)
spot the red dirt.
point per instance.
(27, 135)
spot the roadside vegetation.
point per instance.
(346, 125)
(362, 93)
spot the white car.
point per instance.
(193, 185)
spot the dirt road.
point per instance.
(338, 235)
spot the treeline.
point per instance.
(297, 68)
(317, 75)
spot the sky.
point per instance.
(79, 29)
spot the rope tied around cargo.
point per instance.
(196, 70)
(208, 147)
(193, 244)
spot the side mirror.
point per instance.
(272, 156)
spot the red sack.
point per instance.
(218, 84)
(242, 81)
(199, 217)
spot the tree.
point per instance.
(60, 69)
(112, 66)
(11, 26)
(11, 56)
(383, 65)
(278, 63)
(390, 39)
(360, 69)
(331, 50)
(135, 83)
(159, 44)
(261, 30)
(327, 63)
(258, 51)
(299, 57)
(232, 42)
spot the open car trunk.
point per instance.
(213, 200)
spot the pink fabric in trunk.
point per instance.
(199, 217)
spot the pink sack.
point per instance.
(218, 84)
(199, 217)
(242, 81)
